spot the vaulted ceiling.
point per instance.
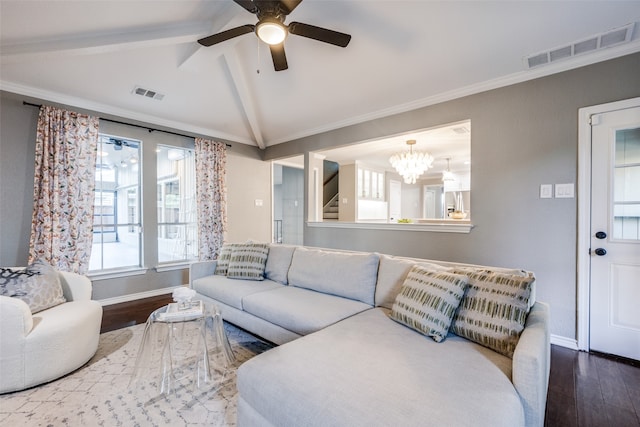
(402, 55)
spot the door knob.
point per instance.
(601, 251)
(601, 235)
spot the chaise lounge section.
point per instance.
(344, 361)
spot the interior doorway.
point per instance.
(609, 229)
(288, 204)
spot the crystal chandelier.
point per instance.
(409, 164)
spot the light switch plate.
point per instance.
(546, 191)
(565, 191)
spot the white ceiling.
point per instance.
(403, 55)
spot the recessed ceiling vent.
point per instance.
(460, 130)
(600, 41)
(147, 93)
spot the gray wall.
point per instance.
(523, 135)
(17, 148)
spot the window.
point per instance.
(177, 222)
(117, 227)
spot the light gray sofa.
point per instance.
(344, 362)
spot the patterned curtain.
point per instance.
(62, 222)
(211, 193)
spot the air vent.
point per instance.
(604, 40)
(147, 93)
(460, 130)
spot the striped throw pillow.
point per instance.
(428, 300)
(494, 309)
(223, 259)
(248, 261)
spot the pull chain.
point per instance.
(258, 67)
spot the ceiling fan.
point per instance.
(272, 30)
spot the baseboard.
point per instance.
(139, 295)
(564, 342)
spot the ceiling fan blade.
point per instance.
(320, 34)
(288, 5)
(226, 35)
(248, 5)
(278, 56)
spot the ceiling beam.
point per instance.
(246, 99)
(84, 44)
(227, 11)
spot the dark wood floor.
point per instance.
(131, 313)
(585, 389)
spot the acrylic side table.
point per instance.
(177, 350)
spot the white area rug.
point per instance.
(98, 394)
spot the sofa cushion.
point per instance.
(248, 261)
(428, 300)
(230, 291)
(391, 275)
(223, 259)
(346, 274)
(278, 262)
(301, 310)
(38, 285)
(370, 371)
(494, 309)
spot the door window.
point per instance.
(626, 193)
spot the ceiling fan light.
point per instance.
(271, 32)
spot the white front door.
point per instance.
(615, 233)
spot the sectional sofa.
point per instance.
(350, 353)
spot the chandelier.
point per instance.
(409, 164)
(447, 175)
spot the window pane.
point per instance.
(115, 247)
(626, 192)
(177, 226)
(116, 219)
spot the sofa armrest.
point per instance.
(15, 320)
(75, 287)
(201, 269)
(531, 362)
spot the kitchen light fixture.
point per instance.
(411, 164)
(271, 31)
(447, 175)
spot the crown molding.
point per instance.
(518, 77)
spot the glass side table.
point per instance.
(182, 349)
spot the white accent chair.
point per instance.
(42, 347)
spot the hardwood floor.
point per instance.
(131, 313)
(585, 389)
(589, 389)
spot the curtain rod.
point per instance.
(130, 124)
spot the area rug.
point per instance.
(100, 393)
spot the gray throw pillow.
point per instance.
(223, 259)
(428, 300)
(494, 309)
(38, 285)
(248, 261)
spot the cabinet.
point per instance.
(370, 184)
(461, 182)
